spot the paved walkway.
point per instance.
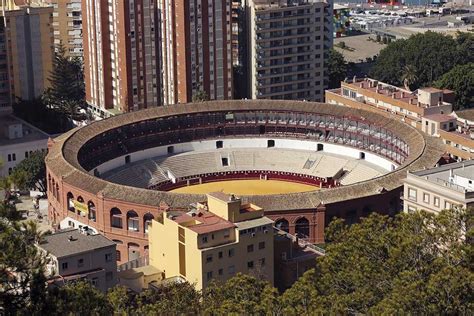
(26, 205)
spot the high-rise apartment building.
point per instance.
(196, 48)
(67, 25)
(289, 44)
(29, 50)
(121, 55)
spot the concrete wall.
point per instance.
(248, 143)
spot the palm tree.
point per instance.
(409, 76)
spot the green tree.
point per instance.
(200, 96)
(432, 54)
(121, 300)
(22, 266)
(35, 169)
(241, 295)
(67, 90)
(392, 266)
(460, 79)
(169, 299)
(77, 298)
(408, 76)
(337, 69)
(19, 178)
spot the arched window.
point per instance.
(80, 200)
(53, 188)
(119, 256)
(57, 193)
(70, 202)
(116, 218)
(147, 221)
(132, 221)
(302, 228)
(133, 251)
(282, 224)
(91, 209)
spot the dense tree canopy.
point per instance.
(431, 54)
(33, 171)
(337, 68)
(67, 91)
(460, 79)
(416, 264)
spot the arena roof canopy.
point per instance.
(70, 158)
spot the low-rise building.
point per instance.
(440, 188)
(213, 240)
(75, 255)
(293, 257)
(428, 109)
(18, 140)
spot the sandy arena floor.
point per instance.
(248, 187)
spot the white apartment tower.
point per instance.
(289, 44)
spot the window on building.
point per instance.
(109, 276)
(226, 233)
(127, 159)
(209, 258)
(250, 248)
(219, 144)
(221, 271)
(9, 157)
(95, 281)
(108, 257)
(14, 157)
(204, 239)
(26, 154)
(209, 275)
(261, 262)
(80, 263)
(412, 194)
(118, 255)
(250, 264)
(64, 266)
(231, 252)
(411, 209)
(261, 245)
(436, 201)
(426, 198)
(231, 269)
(225, 161)
(220, 255)
(447, 205)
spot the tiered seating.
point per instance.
(329, 166)
(184, 165)
(154, 171)
(359, 173)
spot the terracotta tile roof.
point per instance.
(205, 222)
(439, 117)
(466, 114)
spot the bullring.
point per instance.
(76, 164)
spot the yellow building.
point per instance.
(213, 240)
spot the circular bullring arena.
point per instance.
(303, 162)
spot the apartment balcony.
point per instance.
(262, 39)
(265, 19)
